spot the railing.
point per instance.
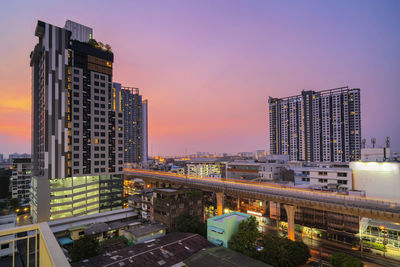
(46, 250)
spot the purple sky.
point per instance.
(207, 67)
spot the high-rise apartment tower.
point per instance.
(135, 124)
(77, 129)
(322, 126)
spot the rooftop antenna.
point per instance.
(373, 142)
(387, 141)
(363, 142)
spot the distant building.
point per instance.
(1, 158)
(135, 124)
(380, 154)
(322, 126)
(21, 179)
(13, 156)
(324, 176)
(241, 169)
(246, 155)
(221, 228)
(260, 155)
(206, 167)
(169, 204)
(273, 167)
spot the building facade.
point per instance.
(205, 167)
(221, 228)
(169, 204)
(135, 124)
(377, 179)
(336, 177)
(21, 179)
(77, 126)
(273, 167)
(241, 169)
(322, 126)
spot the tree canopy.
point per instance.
(341, 259)
(280, 251)
(5, 175)
(83, 248)
(191, 224)
(244, 239)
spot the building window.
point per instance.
(342, 181)
(323, 180)
(342, 174)
(323, 173)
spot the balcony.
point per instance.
(38, 240)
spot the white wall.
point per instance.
(378, 179)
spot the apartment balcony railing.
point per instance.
(39, 244)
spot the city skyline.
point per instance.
(230, 57)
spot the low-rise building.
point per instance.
(147, 204)
(221, 228)
(273, 168)
(169, 204)
(74, 227)
(220, 256)
(206, 167)
(242, 169)
(20, 182)
(324, 176)
(169, 250)
(145, 232)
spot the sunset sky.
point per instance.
(208, 67)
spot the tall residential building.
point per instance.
(322, 126)
(135, 124)
(21, 179)
(77, 129)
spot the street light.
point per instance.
(384, 239)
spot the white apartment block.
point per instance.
(329, 176)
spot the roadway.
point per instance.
(383, 209)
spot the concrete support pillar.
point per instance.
(264, 207)
(220, 202)
(238, 204)
(290, 211)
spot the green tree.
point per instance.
(107, 47)
(5, 175)
(244, 239)
(84, 248)
(191, 224)
(93, 43)
(341, 259)
(278, 251)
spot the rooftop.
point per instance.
(221, 257)
(238, 215)
(109, 216)
(165, 251)
(146, 229)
